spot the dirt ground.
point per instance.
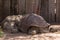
(21, 36)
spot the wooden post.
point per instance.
(58, 11)
(20, 6)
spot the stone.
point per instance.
(9, 24)
(54, 28)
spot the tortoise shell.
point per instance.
(32, 20)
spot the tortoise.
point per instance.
(33, 24)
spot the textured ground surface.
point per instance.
(20, 36)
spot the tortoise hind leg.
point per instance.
(33, 30)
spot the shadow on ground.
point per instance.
(21, 36)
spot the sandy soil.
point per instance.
(21, 36)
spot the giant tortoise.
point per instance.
(33, 24)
